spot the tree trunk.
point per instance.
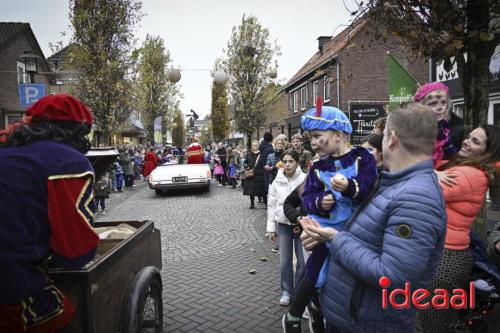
(475, 78)
(475, 73)
(249, 141)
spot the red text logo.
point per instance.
(419, 298)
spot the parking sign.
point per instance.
(29, 93)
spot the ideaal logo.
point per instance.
(440, 298)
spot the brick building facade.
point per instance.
(348, 69)
(15, 39)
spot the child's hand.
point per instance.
(339, 182)
(271, 236)
(268, 168)
(327, 202)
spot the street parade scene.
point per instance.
(250, 166)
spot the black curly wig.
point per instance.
(68, 132)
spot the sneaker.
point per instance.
(220, 184)
(316, 320)
(252, 207)
(285, 300)
(290, 326)
(103, 212)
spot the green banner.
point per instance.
(402, 86)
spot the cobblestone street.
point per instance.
(210, 242)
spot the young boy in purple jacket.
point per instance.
(334, 187)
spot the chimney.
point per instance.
(322, 40)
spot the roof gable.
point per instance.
(10, 31)
(330, 49)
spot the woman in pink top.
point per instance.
(464, 180)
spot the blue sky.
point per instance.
(196, 31)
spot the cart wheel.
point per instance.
(144, 308)
(158, 192)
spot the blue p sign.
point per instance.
(29, 93)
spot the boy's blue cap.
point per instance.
(323, 118)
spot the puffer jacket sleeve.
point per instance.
(402, 259)
(292, 202)
(472, 184)
(272, 200)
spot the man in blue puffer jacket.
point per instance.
(398, 233)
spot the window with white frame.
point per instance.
(458, 109)
(303, 98)
(12, 118)
(22, 77)
(295, 103)
(327, 93)
(315, 91)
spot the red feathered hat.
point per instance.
(60, 107)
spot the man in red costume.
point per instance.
(46, 212)
(195, 152)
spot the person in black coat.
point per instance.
(266, 148)
(221, 151)
(254, 186)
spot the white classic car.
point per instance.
(178, 176)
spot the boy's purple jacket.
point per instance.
(314, 190)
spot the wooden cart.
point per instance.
(121, 290)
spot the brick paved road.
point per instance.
(210, 241)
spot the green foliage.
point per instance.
(220, 111)
(153, 94)
(206, 135)
(247, 62)
(102, 38)
(446, 28)
(178, 130)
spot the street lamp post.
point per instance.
(30, 60)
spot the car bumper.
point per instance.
(168, 185)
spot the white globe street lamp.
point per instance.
(220, 76)
(173, 75)
(273, 73)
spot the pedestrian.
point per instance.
(221, 151)
(273, 158)
(254, 174)
(151, 161)
(126, 162)
(233, 161)
(398, 233)
(287, 179)
(379, 125)
(218, 170)
(335, 185)
(46, 212)
(306, 143)
(373, 143)
(464, 181)
(305, 155)
(118, 175)
(137, 165)
(101, 193)
(434, 95)
(265, 148)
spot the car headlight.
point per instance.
(151, 178)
